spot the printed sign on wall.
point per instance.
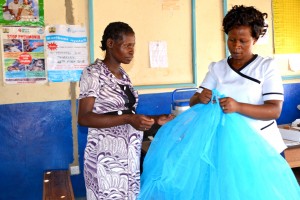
(23, 55)
(22, 12)
(67, 54)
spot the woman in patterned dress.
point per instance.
(107, 103)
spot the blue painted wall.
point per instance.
(38, 136)
(291, 100)
(34, 137)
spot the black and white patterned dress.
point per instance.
(112, 155)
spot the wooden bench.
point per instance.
(57, 185)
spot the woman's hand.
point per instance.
(86, 117)
(269, 110)
(162, 119)
(141, 122)
(204, 97)
(229, 105)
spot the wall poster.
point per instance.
(66, 50)
(22, 12)
(23, 55)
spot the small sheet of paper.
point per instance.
(294, 62)
(158, 54)
(295, 124)
(288, 134)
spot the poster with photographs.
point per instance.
(23, 55)
(67, 53)
(22, 12)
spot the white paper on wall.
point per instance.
(294, 62)
(265, 39)
(158, 54)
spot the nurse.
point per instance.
(226, 147)
(252, 85)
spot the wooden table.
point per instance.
(292, 154)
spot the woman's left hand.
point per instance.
(228, 105)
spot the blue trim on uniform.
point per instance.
(272, 93)
(245, 65)
(268, 125)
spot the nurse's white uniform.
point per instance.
(254, 83)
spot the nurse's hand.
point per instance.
(204, 97)
(228, 104)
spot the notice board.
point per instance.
(286, 26)
(286, 22)
(165, 21)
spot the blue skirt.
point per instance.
(204, 154)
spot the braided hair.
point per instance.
(246, 16)
(114, 31)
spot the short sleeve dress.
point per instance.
(112, 155)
